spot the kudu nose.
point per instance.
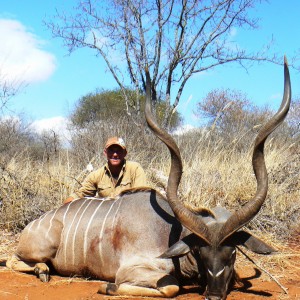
(213, 298)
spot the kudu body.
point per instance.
(146, 244)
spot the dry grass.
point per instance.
(214, 174)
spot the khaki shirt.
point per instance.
(102, 184)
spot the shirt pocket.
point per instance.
(104, 190)
(125, 184)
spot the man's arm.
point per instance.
(88, 188)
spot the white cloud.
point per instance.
(21, 54)
(183, 129)
(57, 124)
(276, 96)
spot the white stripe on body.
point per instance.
(29, 228)
(70, 226)
(75, 232)
(102, 230)
(85, 240)
(42, 218)
(30, 225)
(65, 214)
(51, 223)
(115, 216)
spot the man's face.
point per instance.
(115, 155)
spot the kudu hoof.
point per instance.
(42, 272)
(108, 289)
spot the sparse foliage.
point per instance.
(8, 89)
(51, 143)
(14, 136)
(109, 106)
(294, 118)
(173, 39)
(232, 116)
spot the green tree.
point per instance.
(109, 106)
(100, 115)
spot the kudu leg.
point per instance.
(40, 269)
(130, 290)
(167, 286)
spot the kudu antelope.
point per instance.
(142, 243)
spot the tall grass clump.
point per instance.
(215, 173)
(29, 188)
(221, 174)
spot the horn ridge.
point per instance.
(241, 217)
(186, 217)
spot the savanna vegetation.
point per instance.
(37, 172)
(174, 40)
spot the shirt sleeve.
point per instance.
(88, 187)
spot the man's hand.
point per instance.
(69, 199)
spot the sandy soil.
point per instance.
(284, 268)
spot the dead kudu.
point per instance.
(142, 243)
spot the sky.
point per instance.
(56, 80)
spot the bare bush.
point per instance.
(214, 173)
(14, 136)
(29, 188)
(294, 119)
(8, 89)
(87, 143)
(233, 120)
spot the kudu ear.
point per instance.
(252, 243)
(180, 248)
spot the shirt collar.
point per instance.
(106, 167)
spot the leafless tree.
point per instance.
(231, 115)
(51, 143)
(230, 111)
(173, 39)
(294, 118)
(8, 89)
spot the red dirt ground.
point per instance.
(15, 285)
(284, 267)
